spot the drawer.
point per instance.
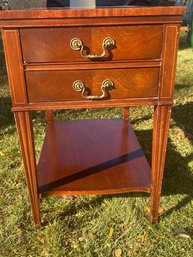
(52, 45)
(45, 86)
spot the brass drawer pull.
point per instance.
(77, 45)
(107, 84)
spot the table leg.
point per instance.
(160, 137)
(25, 130)
(49, 116)
(126, 113)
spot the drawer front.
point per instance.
(48, 45)
(46, 86)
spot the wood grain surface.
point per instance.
(57, 85)
(92, 156)
(132, 43)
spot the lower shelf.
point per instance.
(92, 157)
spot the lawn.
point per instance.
(102, 226)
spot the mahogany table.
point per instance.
(91, 58)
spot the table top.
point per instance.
(94, 12)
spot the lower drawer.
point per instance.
(87, 85)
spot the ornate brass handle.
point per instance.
(77, 45)
(79, 86)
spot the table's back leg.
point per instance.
(25, 130)
(50, 116)
(126, 113)
(160, 137)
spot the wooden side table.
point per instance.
(104, 57)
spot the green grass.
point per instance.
(102, 226)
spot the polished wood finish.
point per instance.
(42, 68)
(55, 43)
(139, 12)
(160, 136)
(25, 131)
(79, 153)
(169, 62)
(129, 83)
(50, 116)
(126, 113)
(15, 71)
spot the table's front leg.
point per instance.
(160, 137)
(25, 130)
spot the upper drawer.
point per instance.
(48, 45)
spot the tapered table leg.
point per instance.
(160, 137)
(25, 130)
